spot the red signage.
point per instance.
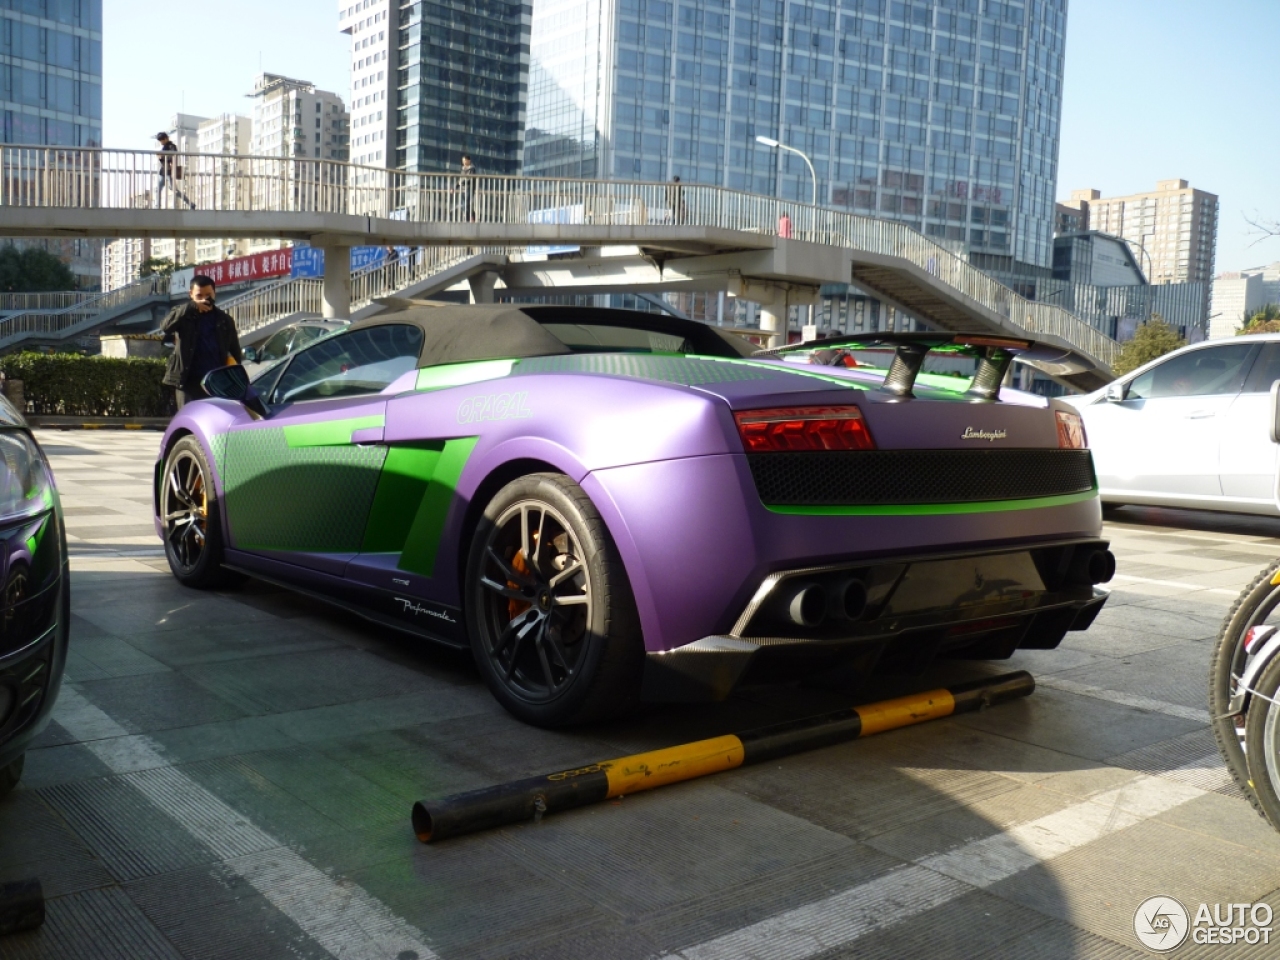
(259, 266)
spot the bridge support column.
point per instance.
(482, 285)
(335, 294)
(773, 320)
(775, 301)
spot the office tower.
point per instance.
(51, 85)
(431, 81)
(941, 114)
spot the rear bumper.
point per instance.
(974, 606)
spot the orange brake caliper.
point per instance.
(517, 607)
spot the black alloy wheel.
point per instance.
(549, 610)
(189, 512)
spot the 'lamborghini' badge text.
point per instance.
(988, 435)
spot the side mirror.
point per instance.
(251, 354)
(1275, 412)
(1115, 392)
(232, 383)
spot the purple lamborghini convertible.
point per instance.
(608, 506)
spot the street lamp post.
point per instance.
(813, 176)
(1143, 247)
(770, 142)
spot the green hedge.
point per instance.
(80, 386)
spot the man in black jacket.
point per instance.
(204, 339)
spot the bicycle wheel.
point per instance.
(1258, 606)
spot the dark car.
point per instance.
(36, 597)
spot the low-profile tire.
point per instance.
(192, 518)
(1262, 739)
(1255, 605)
(550, 613)
(11, 774)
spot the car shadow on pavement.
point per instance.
(321, 729)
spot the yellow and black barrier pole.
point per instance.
(528, 799)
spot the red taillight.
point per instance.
(1071, 431)
(803, 428)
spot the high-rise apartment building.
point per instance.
(432, 80)
(372, 26)
(122, 260)
(230, 135)
(1174, 228)
(943, 114)
(291, 118)
(51, 95)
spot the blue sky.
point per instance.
(1155, 89)
(193, 56)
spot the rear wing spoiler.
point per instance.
(994, 354)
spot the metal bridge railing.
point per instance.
(254, 309)
(56, 321)
(124, 179)
(52, 300)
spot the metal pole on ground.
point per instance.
(530, 799)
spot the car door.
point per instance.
(1249, 457)
(1163, 439)
(299, 484)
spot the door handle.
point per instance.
(1201, 414)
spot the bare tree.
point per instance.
(1264, 227)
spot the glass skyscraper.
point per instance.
(943, 114)
(460, 85)
(51, 88)
(51, 71)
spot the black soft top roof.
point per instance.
(458, 333)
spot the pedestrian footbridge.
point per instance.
(530, 235)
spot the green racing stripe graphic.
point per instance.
(929, 509)
(328, 433)
(423, 540)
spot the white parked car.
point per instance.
(1196, 428)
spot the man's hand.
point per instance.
(203, 306)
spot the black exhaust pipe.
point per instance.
(853, 600)
(1093, 566)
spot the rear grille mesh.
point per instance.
(918, 476)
